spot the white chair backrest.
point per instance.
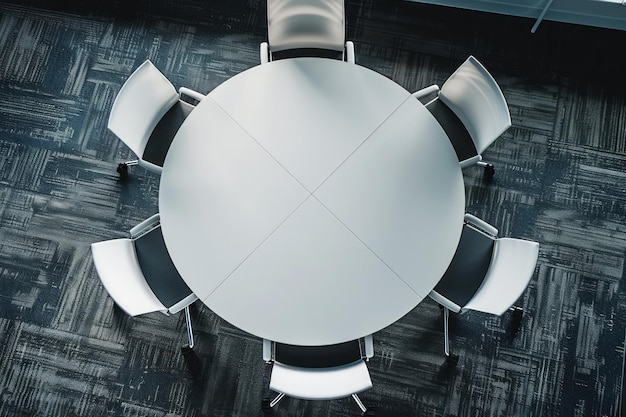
(120, 273)
(320, 383)
(295, 24)
(141, 102)
(512, 267)
(475, 97)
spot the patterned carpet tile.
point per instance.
(66, 350)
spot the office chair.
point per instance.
(472, 111)
(139, 275)
(147, 113)
(319, 372)
(299, 28)
(487, 273)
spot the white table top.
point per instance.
(311, 201)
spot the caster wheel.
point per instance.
(265, 404)
(452, 360)
(490, 171)
(122, 169)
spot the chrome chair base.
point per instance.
(453, 359)
(189, 329)
(450, 358)
(268, 404)
(359, 402)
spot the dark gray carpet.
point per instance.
(65, 350)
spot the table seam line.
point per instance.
(281, 223)
(257, 247)
(369, 248)
(260, 145)
(367, 138)
(311, 194)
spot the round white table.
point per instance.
(311, 201)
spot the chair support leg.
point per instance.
(446, 340)
(354, 396)
(277, 399)
(189, 328)
(359, 403)
(451, 359)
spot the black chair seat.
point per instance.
(468, 267)
(164, 132)
(454, 128)
(318, 356)
(158, 269)
(307, 52)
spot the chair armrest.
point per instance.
(350, 56)
(470, 161)
(480, 224)
(429, 91)
(149, 166)
(184, 91)
(182, 304)
(444, 302)
(267, 351)
(149, 223)
(264, 52)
